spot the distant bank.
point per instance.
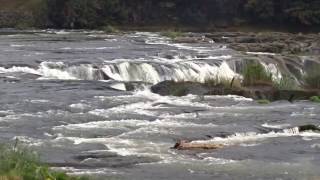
(296, 15)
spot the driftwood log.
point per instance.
(187, 145)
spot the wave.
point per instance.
(249, 137)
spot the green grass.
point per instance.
(255, 74)
(18, 163)
(263, 101)
(315, 99)
(225, 82)
(286, 83)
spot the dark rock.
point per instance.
(132, 86)
(179, 88)
(309, 127)
(259, 91)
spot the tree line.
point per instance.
(98, 13)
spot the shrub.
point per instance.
(315, 99)
(255, 74)
(263, 101)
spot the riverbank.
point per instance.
(85, 14)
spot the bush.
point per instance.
(22, 164)
(255, 74)
(315, 99)
(263, 101)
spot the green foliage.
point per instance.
(261, 9)
(263, 101)
(22, 164)
(99, 13)
(286, 83)
(255, 74)
(315, 99)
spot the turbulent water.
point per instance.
(63, 93)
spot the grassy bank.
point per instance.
(19, 163)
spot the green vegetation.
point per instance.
(255, 74)
(225, 82)
(110, 29)
(286, 83)
(100, 13)
(263, 101)
(315, 99)
(17, 163)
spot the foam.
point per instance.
(275, 126)
(250, 137)
(261, 53)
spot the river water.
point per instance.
(64, 94)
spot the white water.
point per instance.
(125, 71)
(252, 137)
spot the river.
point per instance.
(65, 94)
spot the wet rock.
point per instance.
(132, 86)
(309, 127)
(179, 88)
(258, 91)
(94, 155)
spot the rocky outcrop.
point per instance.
(269, 92)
